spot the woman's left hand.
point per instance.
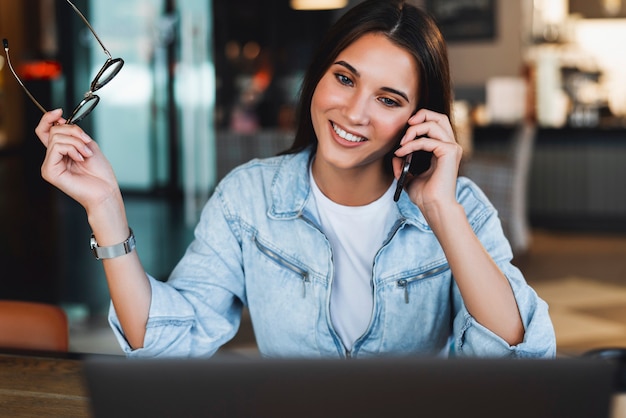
(486, 292)
(431, 131)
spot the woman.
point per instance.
(312, 241)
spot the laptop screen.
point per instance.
(398, 387)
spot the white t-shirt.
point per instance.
(355, 233)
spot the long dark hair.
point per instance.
(403, 24)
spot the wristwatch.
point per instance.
(112, 251)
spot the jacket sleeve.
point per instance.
(199, 308)
(473, 339)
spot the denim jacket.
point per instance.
(259, 244)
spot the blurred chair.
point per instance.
(33, 326)
(617, 355)
(504, 179)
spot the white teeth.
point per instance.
(346, 135)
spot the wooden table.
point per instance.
(33, 385)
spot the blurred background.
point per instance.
(209, 84)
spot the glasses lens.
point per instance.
(84, 108)
(106, 73)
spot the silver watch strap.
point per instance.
(113, 251)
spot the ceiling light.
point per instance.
(318, 4)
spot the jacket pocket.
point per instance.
(404, 283)
(282, 262)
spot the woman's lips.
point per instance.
(347, 136)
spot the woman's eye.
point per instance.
(344, 79)
(389, 102)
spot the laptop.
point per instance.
(390, 387)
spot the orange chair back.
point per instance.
(33, 326)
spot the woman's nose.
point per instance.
(357, 109)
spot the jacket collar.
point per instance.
(290, 188)
(291, 191)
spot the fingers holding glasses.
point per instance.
(52, 123)
(47, 121)
(66, 144)
(75, 165)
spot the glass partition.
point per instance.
(154, 121)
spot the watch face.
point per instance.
(93, 245)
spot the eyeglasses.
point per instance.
(109, 70)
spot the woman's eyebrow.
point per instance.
(348, 67)
(387, 89)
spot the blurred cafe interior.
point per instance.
(540, 109)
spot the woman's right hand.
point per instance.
(74, 162)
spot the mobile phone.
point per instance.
(415, 163)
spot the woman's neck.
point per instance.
(351, 187)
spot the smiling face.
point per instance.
(362, 103)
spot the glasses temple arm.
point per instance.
(106, 51)
(6, 51)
